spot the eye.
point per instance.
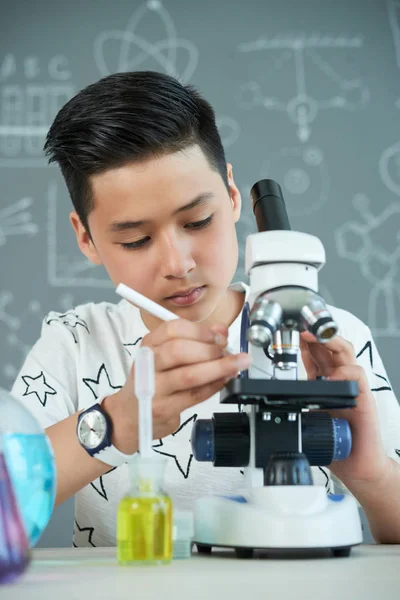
(200, 224)
(133, 245)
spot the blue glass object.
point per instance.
(31, 467)
(14, 547)
(30, 462)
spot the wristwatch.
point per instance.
(94, 430)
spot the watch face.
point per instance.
(92, 429)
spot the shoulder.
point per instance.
(95, 320)
(88, 313)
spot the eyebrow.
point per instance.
(200, 200)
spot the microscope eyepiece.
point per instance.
(269, 206)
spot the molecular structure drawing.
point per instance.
(129, 50)
(374, 244)
(303, 107)
(15, 219)
(16, 347)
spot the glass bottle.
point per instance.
(144, 517)
(30, 463)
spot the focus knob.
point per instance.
(288, 468)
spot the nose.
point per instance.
(175, 258)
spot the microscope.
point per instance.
(282, 426)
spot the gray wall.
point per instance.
(307, 93)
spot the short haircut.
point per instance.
(126, 118)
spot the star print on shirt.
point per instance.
(381, 388)
(71, 320)
(102, 383)
(177, 446)
(81, 537)
(367, 348)
(37, 385)
(98, 484)
(397, 452)
(128, 346)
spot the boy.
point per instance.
(156, 204)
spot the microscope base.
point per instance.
(281, 518)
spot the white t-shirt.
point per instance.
(86, 354)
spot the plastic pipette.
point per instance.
(144, 392)
(144, 519)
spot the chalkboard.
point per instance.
(306, 93)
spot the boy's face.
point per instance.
(166, 228)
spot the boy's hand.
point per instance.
(336, 360)
(190, 366)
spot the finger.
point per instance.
(352, 373)
(323, 359)
(167, 412)
(183, 400)
(188, 330)
(195, 375)
(308, 361)
(361, 416)
(341, 349)
(179, 352)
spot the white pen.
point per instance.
(145, 303)
(149, 305)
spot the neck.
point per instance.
(227, 309)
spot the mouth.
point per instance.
(186, 297)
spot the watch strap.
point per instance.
(106, 451)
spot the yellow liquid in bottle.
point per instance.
(144, 530)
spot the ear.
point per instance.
(84, 240)
(236, 198)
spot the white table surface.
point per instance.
(92, 573)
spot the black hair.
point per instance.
(128, 117)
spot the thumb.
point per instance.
(308, 361)
(351, 373)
